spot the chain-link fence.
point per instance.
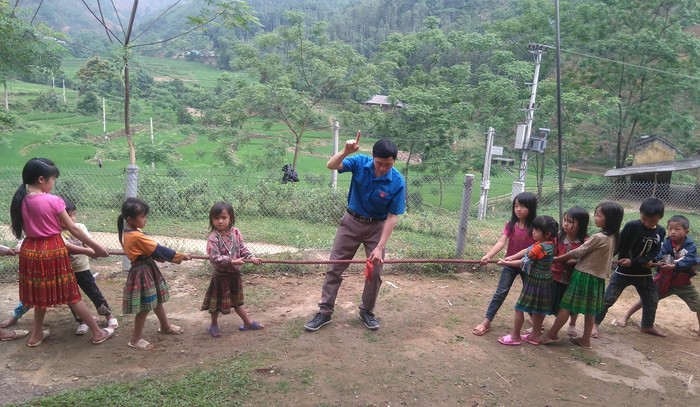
(297, 221)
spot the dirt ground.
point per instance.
(423, 355)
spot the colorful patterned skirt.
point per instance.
(585, 294)
(145, 288)
(46, 277)
(225, 292)
(536, 295)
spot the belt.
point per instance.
(363, 218)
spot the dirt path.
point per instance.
(423, 355)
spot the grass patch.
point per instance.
(226, 384)
(585, 357)
(452, 321)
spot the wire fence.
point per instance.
(297, 221)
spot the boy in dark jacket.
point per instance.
(640, 242)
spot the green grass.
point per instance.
(160, 68)
(227, 383)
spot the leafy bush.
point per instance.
(47, 102)
(7, 120)
(89, 104)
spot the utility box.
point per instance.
(521, 137)
(538, 142)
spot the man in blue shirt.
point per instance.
(377, 196)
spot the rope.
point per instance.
(388, 261)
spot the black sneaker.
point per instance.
(318, 321)
(368, 318)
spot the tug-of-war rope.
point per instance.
(386, 261)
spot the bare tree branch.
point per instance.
(130, 27)
(177, 36)
(117, 14)
(145, 30)
(102, 22)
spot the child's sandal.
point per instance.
(254, 326)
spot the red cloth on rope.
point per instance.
(369, 269)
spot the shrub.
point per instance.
(89, 104)
(47, 101)
(7, 120)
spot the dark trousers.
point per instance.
(648, 293)
(87, 283)
(508, 275)
(351, 233)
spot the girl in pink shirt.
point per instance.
(46, 278)
(516, 234)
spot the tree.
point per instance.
(93, 71)
(24, 48)
(297, 68)
(639, 52)
(446, 82)
(229, 12)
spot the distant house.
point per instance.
(653, 163)
(383, 102)
(650, 154)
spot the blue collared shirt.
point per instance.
(371, 196)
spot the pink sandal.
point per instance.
(508, 340)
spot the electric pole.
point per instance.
(522, 137)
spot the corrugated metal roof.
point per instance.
(680, 165)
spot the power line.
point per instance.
(647, 68)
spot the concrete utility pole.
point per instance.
(485, 178)
(522, 137)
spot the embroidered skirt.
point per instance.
(585, 294)
(536, 295)
(46, 277)
(225, 292)
(145, 288)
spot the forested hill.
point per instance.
(361, 23)
(630, 67)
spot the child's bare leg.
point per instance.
(214, 318)
(240, 310)
(625, 318)
(8, 322)
(162, 318)
(37, 334)
(698, 330)
(559, 322)
(139, 324)
(588, 327)
(572, 326)
(518, 322)
(537, 320)
(594, 330)
(82, 311)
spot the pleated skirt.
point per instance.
(536, 295)
(46, 278)
(584, 295)
(225, 292)
(145, 288)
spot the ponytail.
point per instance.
(16, 210)
(120, 228)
